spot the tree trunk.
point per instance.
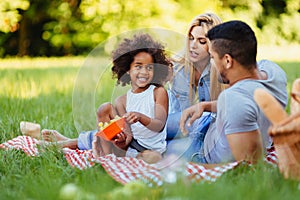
(23, 42)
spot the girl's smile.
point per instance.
(141, 71)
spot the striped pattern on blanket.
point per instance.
(125, 169)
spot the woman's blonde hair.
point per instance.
(206, 21)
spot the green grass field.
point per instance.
(41, 90)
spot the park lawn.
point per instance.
(41, 90)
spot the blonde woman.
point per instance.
(194, 80)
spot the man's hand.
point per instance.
(192, 113)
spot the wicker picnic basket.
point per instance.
(295, 100)
(286, 138)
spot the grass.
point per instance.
(42, 90)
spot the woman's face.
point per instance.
(198, 48)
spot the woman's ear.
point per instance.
(127, 72)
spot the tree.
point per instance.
(73, 27)
(10, 15)
(279, 20)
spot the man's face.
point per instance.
(219, 63)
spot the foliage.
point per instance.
(10, 15)
(280, 23)
(64, 27)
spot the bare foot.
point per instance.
(30, 129)
(52, 136)
(150, 156)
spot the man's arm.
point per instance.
(246, 146)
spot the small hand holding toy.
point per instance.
(109, 130)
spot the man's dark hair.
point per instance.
(235, 38)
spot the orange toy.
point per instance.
(110, 130)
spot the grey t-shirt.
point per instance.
(238, 112)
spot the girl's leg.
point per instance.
(96, 147)
(69, 143)
(119, 152)
(60, 140)
(150, 156)
(53, 136)
(105, 113)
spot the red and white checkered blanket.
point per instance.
(124, 169)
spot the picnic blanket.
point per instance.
(125, 169)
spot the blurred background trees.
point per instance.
(75, 27)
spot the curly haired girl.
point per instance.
(142, 63)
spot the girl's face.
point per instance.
(141, 71)
(198, 48)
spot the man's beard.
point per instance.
(222, 78)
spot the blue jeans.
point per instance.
(173, 130)
(189, 147)
(200, 125)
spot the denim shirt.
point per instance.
(179, 87)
